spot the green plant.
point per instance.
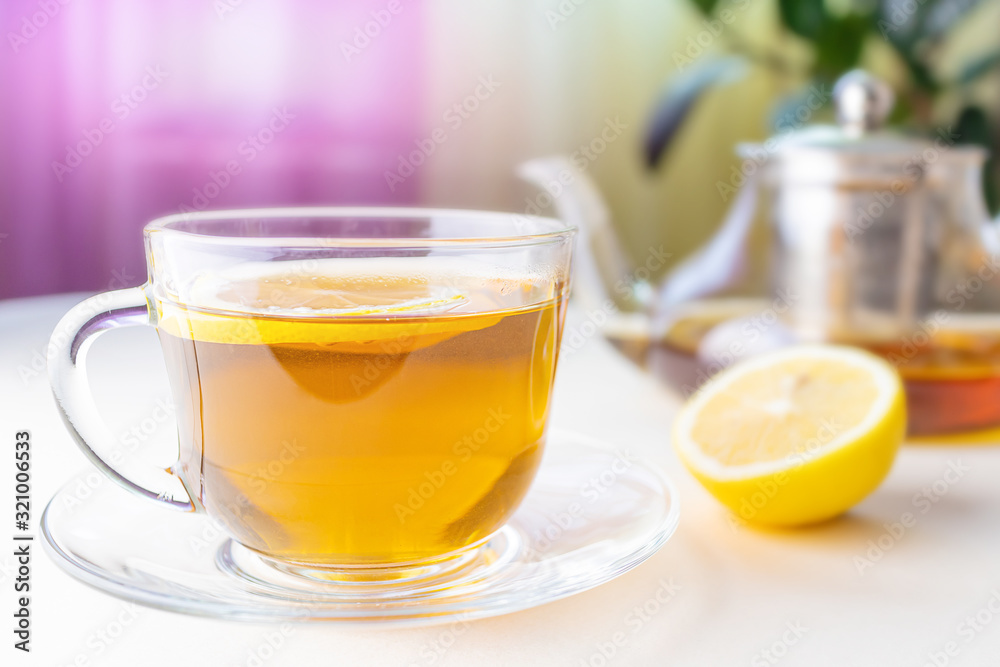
(836, 32)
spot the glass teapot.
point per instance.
(849, 234)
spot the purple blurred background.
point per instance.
(115, 112)
(124, 111)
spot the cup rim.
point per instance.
(551, 229)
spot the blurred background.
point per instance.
(117, 112)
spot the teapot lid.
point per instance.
(858, 148)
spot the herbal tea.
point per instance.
(355, 417)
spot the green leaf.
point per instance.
(839, 43)
(897, 21)
(796, 110)
(680, 96)
(837, 39)
(900, 23)
(706, 6)
(902, 112)
(922, 75)
(908, 23)
(973, 127)
(978, 67)
(942, 15)
(803, 17)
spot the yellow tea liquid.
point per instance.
(407, 428)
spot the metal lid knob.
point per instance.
(863, 102)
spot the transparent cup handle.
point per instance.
(68, 376)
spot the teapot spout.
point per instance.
(599, 260)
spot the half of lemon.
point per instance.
(794, 436)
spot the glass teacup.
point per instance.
(356, 389)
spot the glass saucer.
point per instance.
(593, 513)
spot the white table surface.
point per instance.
(742, 590)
